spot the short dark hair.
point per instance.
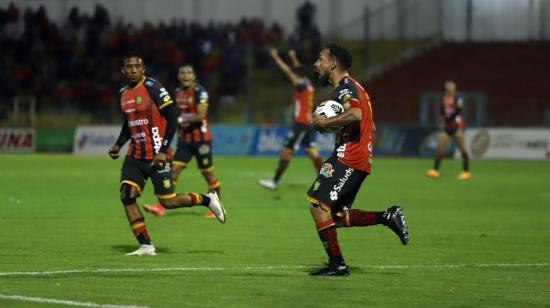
(132, 54)
(341, 54)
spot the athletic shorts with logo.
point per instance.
(136, 172)
(336, 187)
(201, 150)
(301, 134)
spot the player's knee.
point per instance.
(127, 194)
(338, 221)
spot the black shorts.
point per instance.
(135, 172)
(201, 150)
(301, 134)
(336, 187)
(452, 131)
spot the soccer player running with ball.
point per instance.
(194, 137)
(341, 176)
(452, 126)
(302, 133)
(150, 121)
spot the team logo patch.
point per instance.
(167, 184)
(316, 185)
(190, 100)
(326, 170)
(204, 149)
(205, 161)
(139, 100)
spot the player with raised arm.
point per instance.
(333, 192)
(302, 133)
(452, 127)
(194, 136)
(150, 121)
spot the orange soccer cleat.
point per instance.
(210, 214)
(464, 175)
(155, 209)
(432, 173)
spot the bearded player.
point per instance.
(333, 192)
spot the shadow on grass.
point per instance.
(130, 248)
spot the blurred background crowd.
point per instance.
(403, 50)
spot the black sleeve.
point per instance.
(170, 113)
(124, 134)
(345, 92)
(158, 93)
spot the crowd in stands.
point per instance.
(75, 66)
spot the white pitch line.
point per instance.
(258, 268)
(64, 302)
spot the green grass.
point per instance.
(471, 242)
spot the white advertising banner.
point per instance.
(17, 139)
(508, 143)
(96, 140)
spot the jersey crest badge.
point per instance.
(326, 170)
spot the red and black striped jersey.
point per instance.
(451, 110)
(303, 102)
(354, 142)
(141, 106)
(188, 100)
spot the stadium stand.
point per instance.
(512, 74)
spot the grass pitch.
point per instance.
(484, 242)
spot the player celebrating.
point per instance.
(452, 125)
(150, 120)
(302, 133)
(194, 138)
(341, 176)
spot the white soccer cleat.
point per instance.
(144, 250)
(268, 183)
(216, 206)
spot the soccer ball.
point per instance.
(329, 109)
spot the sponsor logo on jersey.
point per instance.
(341, 150)
(326, 170)
(138, 122)
(157, 139)
(341, 182)
(344, 94)
(130, 101)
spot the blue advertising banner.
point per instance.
(232, 139)
(270, 140)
